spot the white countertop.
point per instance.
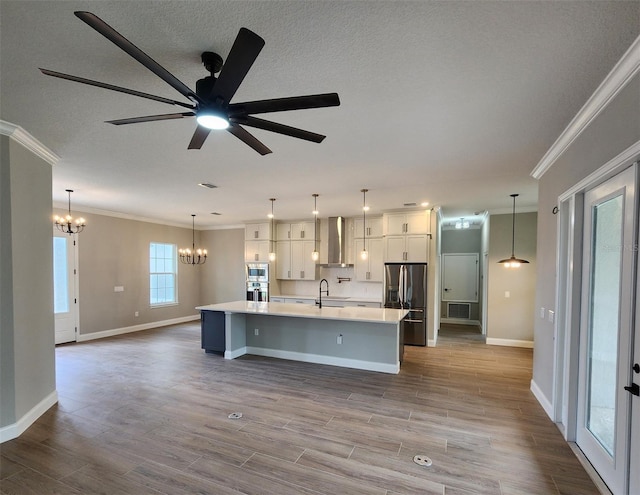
(333, 298)
(372, 315)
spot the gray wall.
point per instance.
(512, 318)
(611, 132)
(27, 364)
(115, 252)
(222, 277)
(464, 241)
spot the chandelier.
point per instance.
(67, 224)
(193, 256)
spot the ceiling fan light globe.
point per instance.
(212, 121)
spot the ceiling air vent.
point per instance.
(208, 185)
(410, 205)
(215, 213)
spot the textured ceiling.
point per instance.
(448, 102)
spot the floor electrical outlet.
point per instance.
(235, 415)
(422, 460)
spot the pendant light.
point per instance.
(193, 256)
(363, 254)
(272, 251)
(67, 224)
(513, 262)
(315, 255)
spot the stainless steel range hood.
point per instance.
(337, 242)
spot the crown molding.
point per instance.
(19, 135)
(59, 205)
(626, 68)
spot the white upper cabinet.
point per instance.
(373, 227)
(302, 231)
(257, 231)
(294, 262)
(371, 269)
(299, 231)
(406, 248)
(415, 222)
(256, 250)
(283, 231)
(283, 260)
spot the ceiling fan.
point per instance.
(211, 103)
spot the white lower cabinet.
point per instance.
(293, 260)
(406, 248)
(371, 269)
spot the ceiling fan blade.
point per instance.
(198, 138)
(285, 104)
(115, 37)
(128, 91)
(243, 54)
(248, 138)
(280, 129)
(151, 118)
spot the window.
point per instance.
(162, 274)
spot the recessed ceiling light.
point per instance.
(424, 203)
(207, 184)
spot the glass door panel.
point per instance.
(602, 333)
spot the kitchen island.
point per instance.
(352, 337)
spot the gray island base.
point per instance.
(352, 337)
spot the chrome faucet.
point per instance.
(320, 291)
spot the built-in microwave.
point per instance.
(257, 272)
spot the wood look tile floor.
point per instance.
(147, 413)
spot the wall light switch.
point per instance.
(552, 316)
(507, 294)
(543, 312)
(256, 331)
(118, 288)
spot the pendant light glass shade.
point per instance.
(272, 251)
(315, 255)
(364, 254)
(513, 262)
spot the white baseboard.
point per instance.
(235, 353)
(16, 429)
(431, 343)
(460, 321)
(320, 359)
(136, 328)
(510, 342)
(542, 399)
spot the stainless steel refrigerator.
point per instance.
(405, 287)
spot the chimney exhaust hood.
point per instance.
(337, 243)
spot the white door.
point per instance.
(604, 406)
(460, 277)
(65, 305)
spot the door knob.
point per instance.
(636, 368)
